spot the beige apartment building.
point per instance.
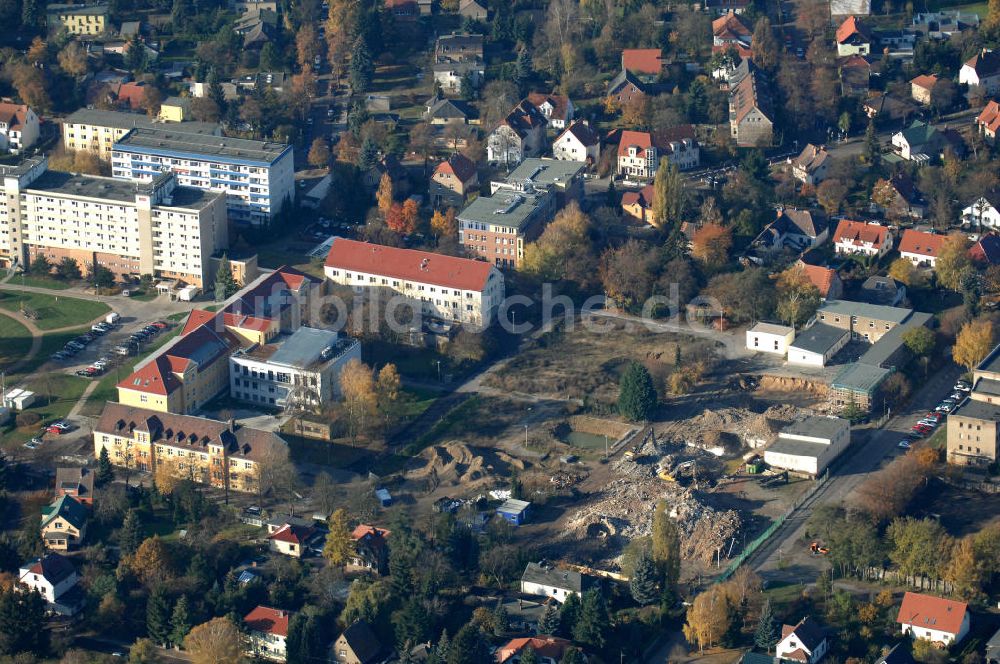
(155, 228)
(82, 19)
(91, 130)
(972, 428)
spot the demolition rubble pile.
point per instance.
(626, 505)
(702, 430)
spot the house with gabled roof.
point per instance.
(452, 181)
(639, 204)
(443, 111)
(64, 524)
(266, 633)
(371, 549)
(19, 127)
(922, 88)
(732, 31)
(986, 251)
(988, 121)
(640, 152)
(557, 109)
(920, 142)
(794, 229)
(859, 237)
(547, 649)
(983, 70)
(473, 10)
(907, 199)
(826, 280)
(805, 642)
(55, 579)
(920, 247)
(357, 645)
(547, 580)
(853, 37)
(941, 621)
(76, 482)
(812, 164)
(750, 110)
(855, 75)
(647, 63)
(984, 212)
(519, 135)
(292, 540)
(625, 87)
(578, 142)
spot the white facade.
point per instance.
(981, 213)
(257, 177)
(769, 338)
(89, 130)
(18, 127)
(990, 82)
(255, 376)
(559, 594)
(506, 146)
(937, 635)
(814, 358)
(809, 446)
(791, 643)
(154, 229)
(38, 582)
(569, 148)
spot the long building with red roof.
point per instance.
(454, 289)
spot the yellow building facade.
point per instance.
(78, 19)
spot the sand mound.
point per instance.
(457, 463)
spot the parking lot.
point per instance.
(106, 346)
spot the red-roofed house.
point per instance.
(459, 289)
(18, 127)
(826, 280)
(941, 621)
(858, 237)
(987, 250)
(732, 31)
(853, 38)
(453, 180)
(643, 61)
(267, 630)
(989, 121)
(557, 109)
(519, 135)
(548, 649)
(371, 550)
(920, 248)
(131, 95)
(922, 88)
(805, 642)
(640, 152)
(639, 204)
(291, 539)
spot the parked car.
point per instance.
(159, 325)
(962, 386)
(905, 444)
(957, 396)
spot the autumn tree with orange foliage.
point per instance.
(411, 214)
(711, 244)
(973, 343)
(398, 222)
(385, 194)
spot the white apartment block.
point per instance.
(257, 177)
(155, 228)
(456, 289)
(303, 367)
(91, 130)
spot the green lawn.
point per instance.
(15, 341)
(107, 387)
(39, 282)
(64, 391)
(273, 257)
(54, 311)
(981, 8)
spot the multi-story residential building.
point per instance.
(266, 633)
(64, 524)
(498, 227)
(155, 227)
(859, 237)
(301, 369)
(853, 38)
(865, 322)
(562, 178)
(974, 427)
(578, 142)
(194, 368)
(457, 289)
(640, 152)
(520, 134)
(453, 180)
(78, 19)
(18, 127)
(750, 110)
(220, 454)
(983, 70)
(256, 176)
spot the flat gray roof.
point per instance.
(771, 328)
(987, 386)
(92, 186)
(819, 338)
(546, 172)
(865, 310)
(859, 377)
(172, 138)
(979, 410)
(303, 347)
(798, 448)
(819, 427)
(504, 208)
(991, 362)
(92, 116)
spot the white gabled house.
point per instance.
(938, 620)
(982, 69)
(266, 633)
(54, 577)
(578, 143)
(984, 212)
(806, 642)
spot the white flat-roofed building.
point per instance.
(456, 289)
(91, 130)
(808, 446)
(770, 338)
(304, 366)
(131, 228)
(257, 177)
(817, 345)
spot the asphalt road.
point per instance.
(880, 449)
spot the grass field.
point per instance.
(54, 311)
(981, 8)
(40, 282)
(274, 257)
(64, 389)
(15, 342)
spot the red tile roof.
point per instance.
(931, 612)
(268, 621)
(926, 81)
(156, 377)
(458, 165)
(132, 93)
(642, 60)
(409, 264)
(544, 646)
(364, 529)
(292, 534)
(921, 243)
(990, 117)
(731, 26)
(197, 318)
(583, 133)
(639, 139)
(643, 197)
(13, 115)
(850, 27)
(858, 232)
(246, 322)
(559, 103)
(821, 277)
